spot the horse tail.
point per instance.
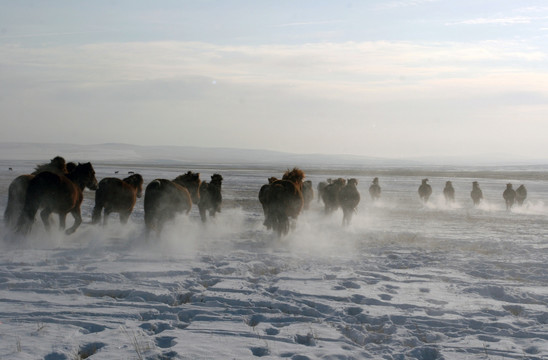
(100, 200)
(33, 201)
(152, 193)
(16, 200)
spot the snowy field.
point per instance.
(404, 281)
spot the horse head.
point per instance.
(85, 175)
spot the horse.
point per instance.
(509, 196)
(166, 198)
(425, 190)
(330, 195)
(115, 195)
(210, 197)
(375, 190)
(521, 194)
(476, 194)
(18, 189)
(264, 194)
(61, 194)
(308, 194)
(449, 192)
(321, 188)
(349, 198)
(283, 200)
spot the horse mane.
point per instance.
(339, 182)
(272, 179)
(135, 180)
(56, 165)
(188, 177)
(296, 176)
(216, 179)
(352, 181)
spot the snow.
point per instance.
(403, 281)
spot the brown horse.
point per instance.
(308, 194)
(210, 197)
(509, 196)
(349, 198)
(330, 195)
(425, 190)
(449, 192)
(61, 194)
(115, 195)
(18, 189)
(164, 199)
(283, 200)
(476, 194)
(375, 190)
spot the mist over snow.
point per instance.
(405, 280)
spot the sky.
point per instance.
(383, 78)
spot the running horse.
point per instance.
(18, 189)
(61, 194)
(164, 199)
(116, 195)
(349, 198)
(210, 197)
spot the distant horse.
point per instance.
(349, 198)
(330, 195)
(61, 194)
(425, 190)
(284, 200)
(521, 194)
(115, 195)
(308, 194)
(321, 188)
(476, 194)
(18, 189)
(164, 199)
(449, 192)
(375, 190)
(264, 194)
(509, 196)
(210, 197)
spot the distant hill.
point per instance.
(126, 153)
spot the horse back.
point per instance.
(55, 191)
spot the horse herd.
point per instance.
(57, 187)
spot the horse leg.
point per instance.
(96, 216)
(124, 216)
(62, 221)
(106, 213)
(44, 215)
(202, 210)
(77, 221)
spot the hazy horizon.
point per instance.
(389, 79)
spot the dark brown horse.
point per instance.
(115, 195)
(308, 194)
(18, 189)
(425, 190)
(321, 188)
(164, 199)
(284, 200)
(210, 197)
(330, 195)
(521, 194)
(509, 196)
(264, 194)
(349, 198)
(449, 192)
(61, 194)
(375, 190)
(476, 194)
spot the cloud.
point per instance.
(500, 20)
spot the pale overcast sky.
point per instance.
(378, 78)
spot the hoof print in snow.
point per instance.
(260, 351)
(165, 341)
(155, 328)
(307, 339)
(272, 331)
(90, 349)
(354, 310)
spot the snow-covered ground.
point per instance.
(404, 281)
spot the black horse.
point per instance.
(61, 194)
(521, 194)
(449, 192)
(476, 194)
(425, 190)
(375, 190)
(164, 199)
(210, 197)
(349, 198)
(509, 196)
